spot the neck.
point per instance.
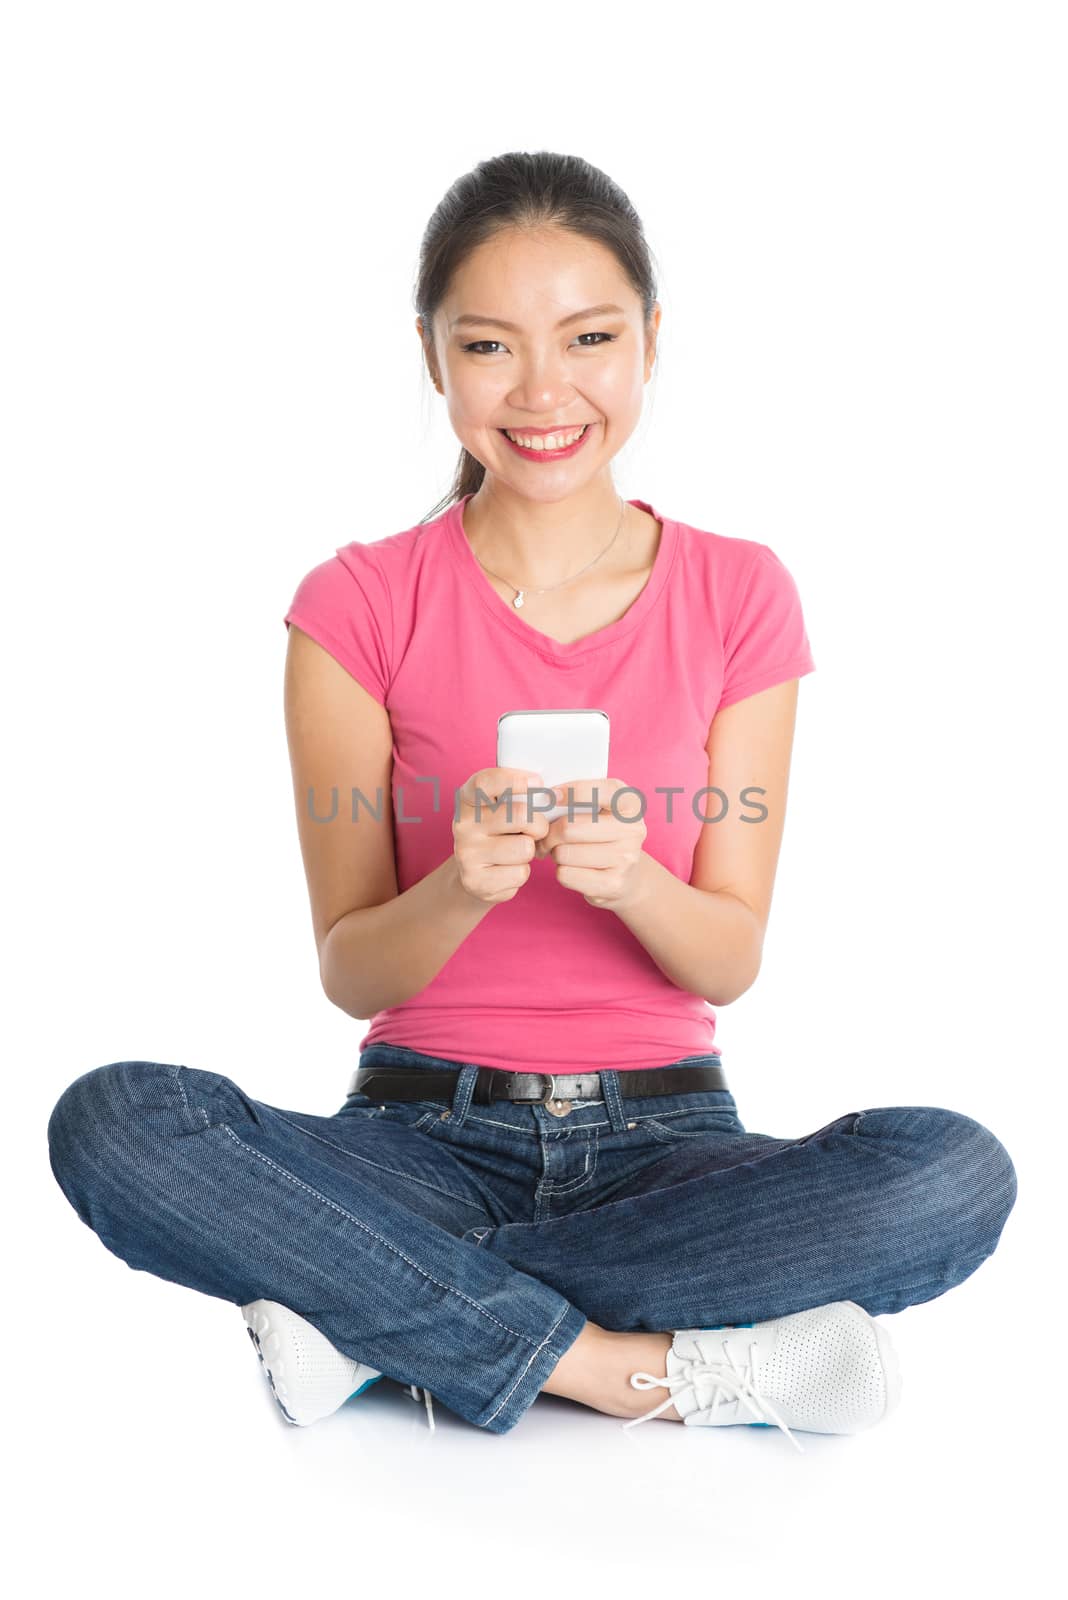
(537, 545)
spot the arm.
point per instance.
(704, 940)
(376, 947)
(707, 936)
(379, 956)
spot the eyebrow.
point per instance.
(470, 320)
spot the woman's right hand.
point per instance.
(494, 849)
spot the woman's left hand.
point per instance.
(599, 853)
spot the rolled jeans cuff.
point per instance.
(522, 1390)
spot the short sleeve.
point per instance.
(765, 642)
(344, 605)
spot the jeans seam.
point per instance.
(751, 1158)
(509, 1127)
(655, 1126)
(584, 1177)
(179, 1083)
(349, 1217)
(533, 1357)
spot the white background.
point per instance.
(210, 381)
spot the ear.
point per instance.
(426, 344)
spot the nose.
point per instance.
(544, 389)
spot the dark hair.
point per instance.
(524, 189)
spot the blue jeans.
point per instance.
(462, 1247)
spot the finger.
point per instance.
(601, 834)
(586, 855)
(593, 791)
(494, 781)
(502, 793)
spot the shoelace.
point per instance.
(413, 1391)
(727, 1379)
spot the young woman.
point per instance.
(539, 1180)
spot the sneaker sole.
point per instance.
(891, 1369)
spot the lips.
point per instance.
(548, 455)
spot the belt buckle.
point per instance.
(559, 1108)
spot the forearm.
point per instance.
(706, 942)
(380, 956)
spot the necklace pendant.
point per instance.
(518, 601)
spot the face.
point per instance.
(550, 368)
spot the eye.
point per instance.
(474, 349)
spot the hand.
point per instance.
(599, 853)
(494, 851)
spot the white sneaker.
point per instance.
(309, 1377)
(831, 1369)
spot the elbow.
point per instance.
(352, 1004)
(725, 997)
(744, 975)
(325, 985)
(337, 985)
(325, 971)
(330, 992)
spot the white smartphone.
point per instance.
(560, 745)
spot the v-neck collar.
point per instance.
(507, 616)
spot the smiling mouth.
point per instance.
(540, 438)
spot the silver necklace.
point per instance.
(521, 593)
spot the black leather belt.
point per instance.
(550, 1089)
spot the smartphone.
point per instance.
(560, 745)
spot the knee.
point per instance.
(975, 1162)
(998, 1182)
(102, 1102)
(967, 1177)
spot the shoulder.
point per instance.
(727, 552)
(721, 568)
(376, 565)
(359, 602)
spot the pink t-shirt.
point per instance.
(547, 983)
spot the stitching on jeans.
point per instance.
(685, 1111)
(671, 1134)
(463, 1095)
(602, 1122)
(349, 1217)
(180, 1086)
(495, 1122)
(584, 1177)
(534, 1133)
(379, 1165)
(529, 1364)
(745, 1158)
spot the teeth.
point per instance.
(551, 441)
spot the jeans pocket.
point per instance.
(404, 1113)
(691, 1124)
(685, 1116)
